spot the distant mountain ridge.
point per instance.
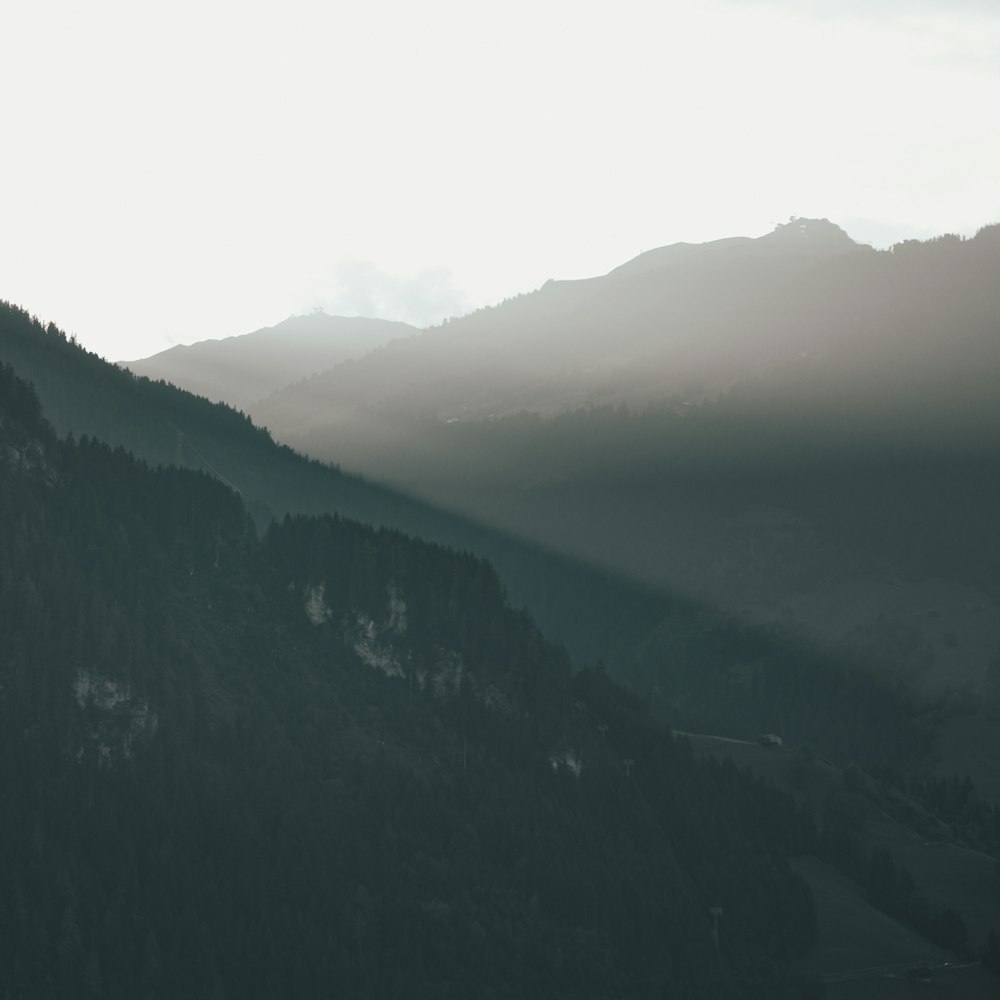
(244, 369)
(672, 321)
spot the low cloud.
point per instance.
(359, 288)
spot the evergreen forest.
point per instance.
(270, 729)
(334, 761)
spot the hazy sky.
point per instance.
(177, 171)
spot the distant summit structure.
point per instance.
(810, 236)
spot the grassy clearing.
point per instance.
(854, 936)
(948, 874)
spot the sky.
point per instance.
(176, 172)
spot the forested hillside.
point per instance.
(700, 669)
(335, 760)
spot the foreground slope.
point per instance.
(334, 760)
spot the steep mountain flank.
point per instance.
(335, 759)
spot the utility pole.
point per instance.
(716, 912)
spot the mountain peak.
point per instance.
(814, 237)
(244, 369)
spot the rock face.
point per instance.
(380, 643)
(118, 718)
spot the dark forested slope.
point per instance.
(334, 760)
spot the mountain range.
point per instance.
(796, 430)
(260, 739)
(333, 757)
(685, 321)
(804, 313)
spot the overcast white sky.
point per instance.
(176, 171)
